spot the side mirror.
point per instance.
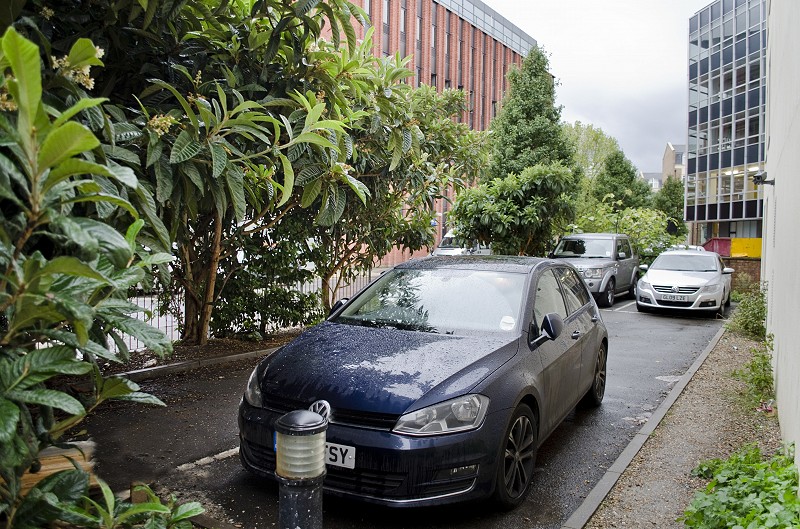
(551, 255)
(727, 270)
(552, 327)
(338, 305)
(643, 267)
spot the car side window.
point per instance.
(548, 298)
(574, 289)
(626, 247)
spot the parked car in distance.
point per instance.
(452, 244)
(442, 378)
(606, 261)
(686, 280)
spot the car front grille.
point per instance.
(341, 416)
(667, 289)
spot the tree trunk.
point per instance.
(200, 280)
(215, 251)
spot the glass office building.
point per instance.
(725, 148)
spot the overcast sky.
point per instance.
(622, 65)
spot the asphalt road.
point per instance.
(190, 445)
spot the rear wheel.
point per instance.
(594, 397)
(518, 459)
(608, 295)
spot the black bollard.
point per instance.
(300, 468)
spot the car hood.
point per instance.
(586, 262)
(381, 370)
(679, 278)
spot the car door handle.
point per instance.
(576, 335)
(595, 318)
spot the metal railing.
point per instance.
(166, 310)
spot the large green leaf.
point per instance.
(234, 179)
(23, 55)
(288, 180)
(48, 397)
(83, 53)
(71, 266)
(72, 167)
(9, 416)
(82, 104)
(64, 142)
(219, 159)
(184, 148)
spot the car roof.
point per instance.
(595, 236)
(502, 263)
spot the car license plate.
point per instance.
(335, 455)
(674, 297)
(340, 455)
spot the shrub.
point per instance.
(746, 491)
(750, 316)
(757, 373)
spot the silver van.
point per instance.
(453, 245)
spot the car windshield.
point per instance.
(443, 301)
(685, 263)
(585, 248)
(452, 242)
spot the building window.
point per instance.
(386, 21)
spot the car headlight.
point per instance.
(712, 289)
(456, 415)
(593, 273)
(643, 285)
(252, 393)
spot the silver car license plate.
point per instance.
(674, 297)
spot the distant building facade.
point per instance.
(460, 44)
(654, 180)
(726, 147)
(673, 164)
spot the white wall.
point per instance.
(781, 214)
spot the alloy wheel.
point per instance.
(520, 456)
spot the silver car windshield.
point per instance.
(685, 263)
(585, 248)
(443, 301)
(452, 242)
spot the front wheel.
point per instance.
(594, 397)
(608, 295)
(518, 459)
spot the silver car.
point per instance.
(686, 280)
(606, 261)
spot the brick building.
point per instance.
(461, 44)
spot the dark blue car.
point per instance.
(442, 378)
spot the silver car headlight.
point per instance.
(643, 285)
(593, 273)
(455, 415)
(712, 289)
(252, 393)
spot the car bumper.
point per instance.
(390, 469)
(700, 301)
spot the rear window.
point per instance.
(585, 248)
